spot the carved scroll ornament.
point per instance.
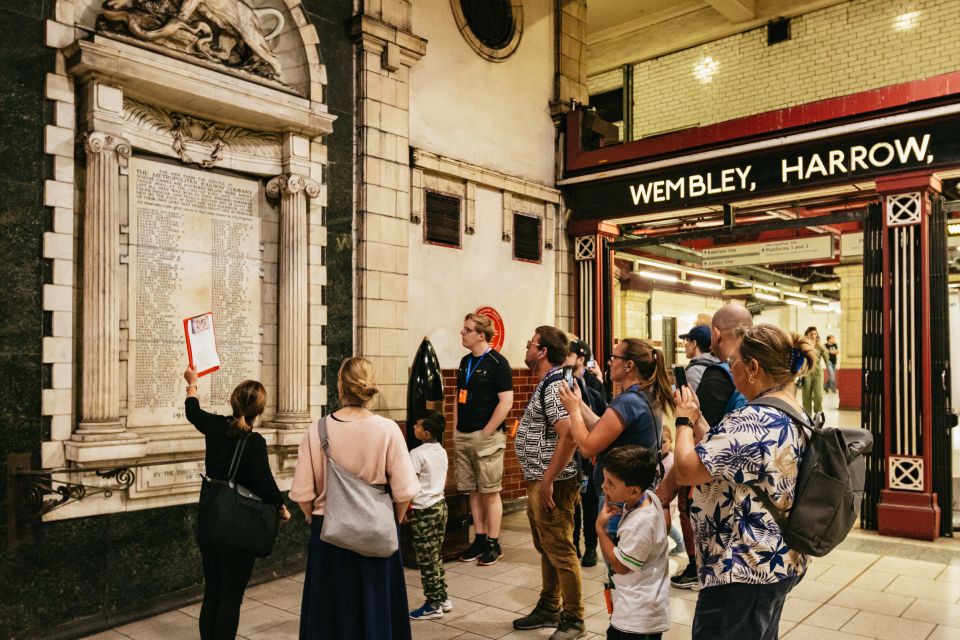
(184, 128)
(224, 31)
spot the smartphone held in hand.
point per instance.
(568, 376)
(680, 375)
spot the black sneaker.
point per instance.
(686, 579)
(569, 630)
(539, 617)
(589, 558)
(476, 548)
(490, 555)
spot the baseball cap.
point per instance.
(581, 348)
(701, 335)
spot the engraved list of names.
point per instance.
(194, 247)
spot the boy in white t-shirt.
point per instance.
(428, 514)
(641, 607)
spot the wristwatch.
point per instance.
(683, 421)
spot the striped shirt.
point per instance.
(536, 439)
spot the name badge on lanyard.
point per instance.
(462, 396)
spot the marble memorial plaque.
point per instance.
(183, 477)
(194, 247)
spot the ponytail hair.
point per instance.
(781, 355)
(652, 371)
(248, 401)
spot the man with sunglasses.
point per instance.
(545, 451)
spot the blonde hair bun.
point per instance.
(358, 379)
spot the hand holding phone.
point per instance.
(680, 375)
(568, 376)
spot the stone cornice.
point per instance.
(159, 79)
(489, 178)
(373, 35)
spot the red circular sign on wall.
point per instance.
(498, 332)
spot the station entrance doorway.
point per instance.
(821, 263)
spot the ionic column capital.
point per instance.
(101, 142)
(291, 184)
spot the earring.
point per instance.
(752, 380)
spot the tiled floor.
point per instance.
(871, 587)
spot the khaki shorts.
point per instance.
(478, 465)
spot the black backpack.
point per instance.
(829, 489)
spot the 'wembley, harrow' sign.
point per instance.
(835, 160)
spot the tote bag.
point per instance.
(358, 516)
(231, 514)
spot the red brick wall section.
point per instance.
(523, 385)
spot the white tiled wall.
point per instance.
(844, 49)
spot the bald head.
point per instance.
(731, 317)
(726, 321)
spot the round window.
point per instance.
(492, 27)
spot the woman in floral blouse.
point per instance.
(746, 570)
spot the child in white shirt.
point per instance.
(428, 514)
(641, 608)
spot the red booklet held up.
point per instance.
(201, 343)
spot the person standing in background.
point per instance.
(833, 349)
(482, 400)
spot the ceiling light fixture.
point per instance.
(766, 296)
(796, 303)
(700, 284)
(662, 277)
(822, 308)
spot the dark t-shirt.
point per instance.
(832, 349)
(594, 383)
(714, 393)
(639, 426)
(491, 377)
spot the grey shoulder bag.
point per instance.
(358, 516)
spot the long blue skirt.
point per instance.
(347, 596)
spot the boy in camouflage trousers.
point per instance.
(428, 515)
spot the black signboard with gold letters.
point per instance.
(857, 156)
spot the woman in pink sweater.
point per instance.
(347, 595)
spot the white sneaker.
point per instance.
(446, 606)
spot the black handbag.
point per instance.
(232, 515)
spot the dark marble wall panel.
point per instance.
(71, 578)
(331, 18)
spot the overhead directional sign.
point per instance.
(762, 253)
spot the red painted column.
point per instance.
(908, 505)
(589, 272)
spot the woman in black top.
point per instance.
(226, 570)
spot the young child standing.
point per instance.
(641, 608)
(428, 514)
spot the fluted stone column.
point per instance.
(100, 400)
(293, 409)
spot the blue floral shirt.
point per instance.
(737, 538)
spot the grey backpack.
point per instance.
(829, 487)
(358, 516)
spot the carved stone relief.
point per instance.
(211, 137)
(229, 32)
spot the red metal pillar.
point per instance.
(589, 273)
(908, 505)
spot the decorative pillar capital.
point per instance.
(291, 184)
(100, 142)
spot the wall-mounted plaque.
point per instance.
(194, 247)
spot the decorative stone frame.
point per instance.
(96, 82)
(493, 55)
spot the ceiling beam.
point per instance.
(735, 10)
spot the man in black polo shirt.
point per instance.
(482, 400)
